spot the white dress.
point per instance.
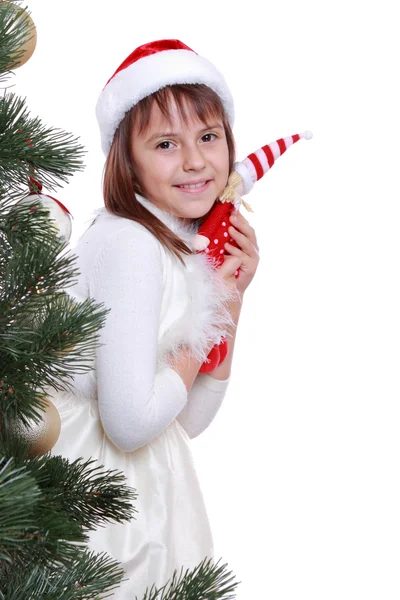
(132, 412)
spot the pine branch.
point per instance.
(67, 500)
(59, 343)
(88, 494)
(32, 273)
(18, 494)
(9, 198)
(31, 532)
(45, 511)
(207, 581)
(46, 337)
(51, 542)
(26, 144)
(88, 576)
(28, 246)
(15, 31)
(47, 505)
(44, 533)
(50, 346)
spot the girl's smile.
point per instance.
(195, 187)
(183, 170)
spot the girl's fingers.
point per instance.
(234, 251)
(231, 264)
(246, 244)
(247, 262)
(247, 253)
(242, 225)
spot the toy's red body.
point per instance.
(215, 228)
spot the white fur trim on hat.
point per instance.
(148, 75)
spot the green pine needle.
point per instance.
(18, 494)
(88, 493)
(48, 504)
(207, 581)
(46, 336)
(29, 148)
(88, 576)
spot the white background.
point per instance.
(300, 469)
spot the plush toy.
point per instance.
(213, 233)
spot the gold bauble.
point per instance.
(41, 436)
(30, 45)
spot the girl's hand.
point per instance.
(248, 252)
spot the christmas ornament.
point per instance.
(29, 46)
(59, 213)
(41, 436)
(148, 69)
(213, 234)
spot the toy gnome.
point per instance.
(213, 233)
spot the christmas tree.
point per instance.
(48, 505)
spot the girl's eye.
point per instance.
(209, 137)
(165, 145)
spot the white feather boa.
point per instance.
(207, 316)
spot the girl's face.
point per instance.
(183, 166)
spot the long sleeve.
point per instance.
(204, 401)
(137, 399)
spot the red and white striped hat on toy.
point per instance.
(148, 69)
(258, 163)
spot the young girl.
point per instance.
(165, 121)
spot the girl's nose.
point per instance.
(193, 159)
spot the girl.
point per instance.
(165, 122)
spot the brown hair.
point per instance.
(121, 180)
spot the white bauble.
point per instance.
(59, 214)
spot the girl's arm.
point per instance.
(137, 398)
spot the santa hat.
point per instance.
(148, 69)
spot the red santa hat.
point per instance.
(148, 69)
